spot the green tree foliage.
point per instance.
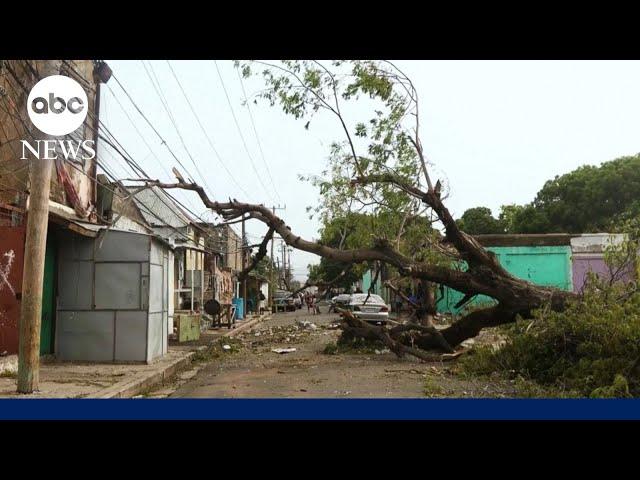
(590, 349)
(479, 220)
(591, 198)
(356, 230)
(588, 199)
(262, 268)
(355, 216)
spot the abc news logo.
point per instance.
(57, 106)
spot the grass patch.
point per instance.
(432, 388)
(8, 374)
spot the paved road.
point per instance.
(250, 369)
(256, 371)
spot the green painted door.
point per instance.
(48, 306)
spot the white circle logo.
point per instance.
(57, 105)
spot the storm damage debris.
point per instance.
(283, 350)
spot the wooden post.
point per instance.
(34, 257)
(33, 275)
(271, 285)
(244, 280)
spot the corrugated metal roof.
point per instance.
(158, 209)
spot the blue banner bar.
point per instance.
(319, 409)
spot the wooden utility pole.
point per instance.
(284, 264)
(34, 255)
(244, 265)
(271, 272)
(271, 264)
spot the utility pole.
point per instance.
(244, 265)
(34, 255)
(284, 264)
(271, 264)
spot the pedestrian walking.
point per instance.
(307, 300)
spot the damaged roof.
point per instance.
(159, 210)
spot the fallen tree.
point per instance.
(484, 274)
(371, 180)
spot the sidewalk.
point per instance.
(93, 380)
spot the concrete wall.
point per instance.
(588, 256)
(549, 266)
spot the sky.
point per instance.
(494, 131)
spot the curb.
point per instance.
(132, 387)
(244, 327)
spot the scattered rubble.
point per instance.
(306, 324)
(283, 350)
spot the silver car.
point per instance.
(340, 301)
(375, 310)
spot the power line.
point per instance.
(255, 131)
(163, 141)
(165, 104)
(138, 130)
(205, 132)
(130, 161)
(110, 174)
(244, 143)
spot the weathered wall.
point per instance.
(15, 126)
(588, 256)
(11, 260)
(233, 258)
(550, 266)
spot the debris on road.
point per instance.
(283, 350)
(306, 324)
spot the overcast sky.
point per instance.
(495, 130)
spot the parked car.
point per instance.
(375, 310)
(283, 301)
(341, 301)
